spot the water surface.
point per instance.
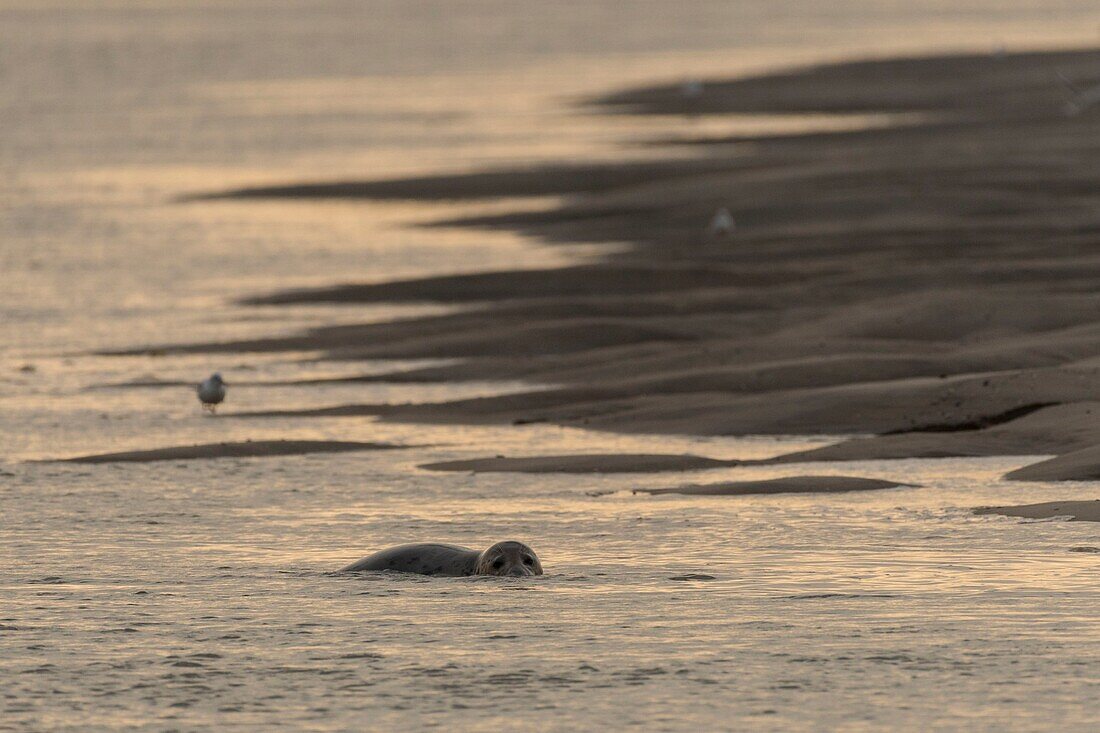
(181, 595)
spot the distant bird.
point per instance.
(212, 392)
(1080, 99)
(721, 224)
(691, 88)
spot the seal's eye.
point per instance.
(528, 560)
(498, 563)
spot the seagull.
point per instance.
(721, 224)
(211, 392)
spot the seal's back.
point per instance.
(424, 559)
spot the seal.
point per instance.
(510, 558)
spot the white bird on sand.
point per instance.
(721, 223)
(212, 392)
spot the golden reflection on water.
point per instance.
(227, 564)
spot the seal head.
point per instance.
(509, 558)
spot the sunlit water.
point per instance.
(180, 595)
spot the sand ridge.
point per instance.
(930, 283)
(1075, 511)
(586, 463)
(1078, 465)
(244, 449)
(784, 485)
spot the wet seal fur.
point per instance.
(509, 558)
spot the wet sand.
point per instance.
(585, 463)
(929, 283)
(1078, 511)
(1045, 430)
(1026, 431)
(247, 449)
(785, 485)
(1079, 465)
